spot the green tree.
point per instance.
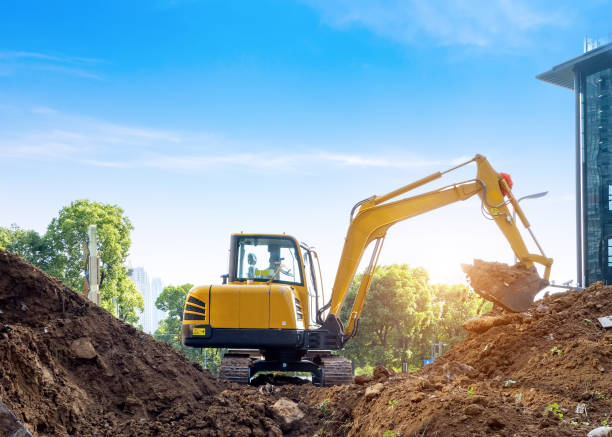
(397, 310)
(404, 314)
(28, 244)
(5, 237)
(172, 301)
(457, 303)
(66, 235)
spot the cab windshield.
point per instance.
(258, 258)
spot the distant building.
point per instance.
(157, 287)
(140, 278)
(150, 291)
(590, 76)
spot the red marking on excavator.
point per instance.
(508, 180)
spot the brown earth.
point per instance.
(498, 382)
(70, 368)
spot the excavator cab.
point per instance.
(266, 313)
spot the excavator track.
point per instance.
(337, 370)
(235, 368)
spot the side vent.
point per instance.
(298, 309)
(196, 301)
(195, 309)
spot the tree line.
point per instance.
(404, 314)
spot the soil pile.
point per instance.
(546, 372)
(71, 368)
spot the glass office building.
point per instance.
(589, 76)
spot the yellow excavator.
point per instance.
(269, 310)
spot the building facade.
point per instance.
(589, 76)
(140, 278)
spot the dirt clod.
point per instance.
(288, 411)
(82, 348)
(363, 379)
(373, 391)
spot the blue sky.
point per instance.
(203, 118)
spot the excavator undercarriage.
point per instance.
(241, 365)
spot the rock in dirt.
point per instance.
(363, 379)
(484, 323)
(473, 410)
(602, 431)
(288, 411)
(373, 391)
(82, 348)
(10, 426)
(380, 373)
(453, 369)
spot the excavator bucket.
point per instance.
(512, 287)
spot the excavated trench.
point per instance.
(70, 368)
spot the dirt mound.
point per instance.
(71, 368)
(547, 372)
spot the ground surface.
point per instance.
(70, 368)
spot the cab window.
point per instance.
(260, 257)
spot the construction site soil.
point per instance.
(69, 367)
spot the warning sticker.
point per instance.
(199, 331)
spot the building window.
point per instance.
(609, 252)
(609, 197)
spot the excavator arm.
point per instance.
(375, 215)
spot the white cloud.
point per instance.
(47, 57)
(477, 23)
(43, 110)
(278, 161)
(13, 61)
(99, 143)
(377, 161)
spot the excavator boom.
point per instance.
(375, 215)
